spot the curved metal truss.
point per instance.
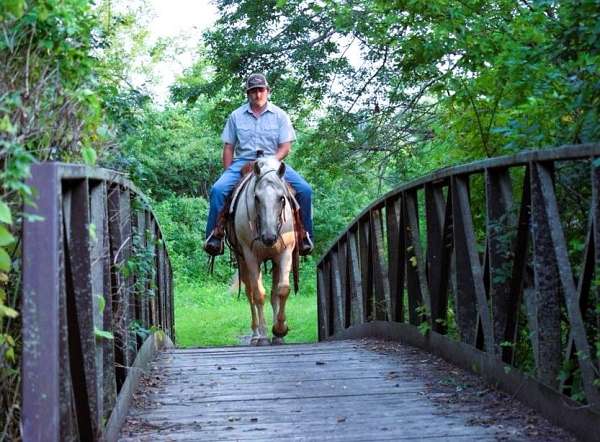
(497, 259)
(97, 283)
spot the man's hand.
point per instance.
(283, 150)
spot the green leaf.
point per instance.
(14, 7)
(91, 232)
(10, 354)
(4, 261)
(563, 375)
(101, 303)
(5, 215)
(102, 334)
(5, 237)
(7, 126)
(8, 312)
(89, 155)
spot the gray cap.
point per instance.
(256, 80)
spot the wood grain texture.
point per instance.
(327, 391)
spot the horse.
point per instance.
(262, 229)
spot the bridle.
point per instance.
(280, 217)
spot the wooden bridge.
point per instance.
(347, 390)
(492, 266)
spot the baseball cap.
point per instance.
(256, 80)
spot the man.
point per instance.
(256, 125)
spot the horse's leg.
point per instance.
(275, 301)
(258, 295)
(255, 334)
(244, 278)
(281, 286)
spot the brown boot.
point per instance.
(214, 245)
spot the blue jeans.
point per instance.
(225, 184)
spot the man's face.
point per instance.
(258, 96)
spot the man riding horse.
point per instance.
(256, 125)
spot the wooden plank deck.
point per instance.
(326, 391)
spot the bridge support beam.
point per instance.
(40, 311)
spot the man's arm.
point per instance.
(283, 150)
(227, 155)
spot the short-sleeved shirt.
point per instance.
(248, 133)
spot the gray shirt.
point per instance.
(248, 133)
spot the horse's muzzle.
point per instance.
(268, 239)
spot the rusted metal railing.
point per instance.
(494, 264)
(97, 284)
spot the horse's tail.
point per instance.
(236, 284)
(296, 267)
(299, 232)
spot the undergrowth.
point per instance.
(209, 313)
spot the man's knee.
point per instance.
(218, 190)
(304, 190)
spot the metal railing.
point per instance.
(97, 284)
(500, 255)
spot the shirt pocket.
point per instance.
(244, 132)
(271, 132)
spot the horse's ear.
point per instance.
(256, 168)
(281, 170)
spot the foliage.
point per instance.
(424, 326)
(47, 80)
(437, 82)
(182, 222)
(48, 111)
(210, 314)
(55, 82)
(141, 264)
(170, 152)
(379, 91)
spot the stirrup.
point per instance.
(306, 246)
(214, 245)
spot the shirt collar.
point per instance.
(269, 108)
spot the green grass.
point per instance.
(207, 314)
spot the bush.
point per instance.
(183, 223)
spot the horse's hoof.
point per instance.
(277, 341)
(262, 342)
(280, 334)
(254, 342)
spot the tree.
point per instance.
(461, 79)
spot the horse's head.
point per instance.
(269, 199)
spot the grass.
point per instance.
(207, 314)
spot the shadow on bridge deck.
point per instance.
(349, 390)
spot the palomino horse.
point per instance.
(263, 230)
